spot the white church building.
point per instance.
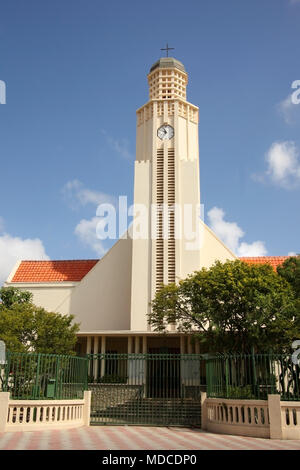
(110, 297)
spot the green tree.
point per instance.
(25, 327)
(12, 295)
(290, 271)
(232, 306)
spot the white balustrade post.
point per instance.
(275, 416)
(87, 407)
(4, 404)
(203, 411)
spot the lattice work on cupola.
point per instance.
(167, 84)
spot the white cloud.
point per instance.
(283, 164)
(13, 249)
(76, 194)
(230, 233)
(292, 253)
(119, 146)
(252, 249)
(86, 231)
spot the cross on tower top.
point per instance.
(167, 49)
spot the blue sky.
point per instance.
(75, 73)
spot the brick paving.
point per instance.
(136, 438)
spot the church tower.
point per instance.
(111, 297)
(167, 184)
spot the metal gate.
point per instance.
(154, 389)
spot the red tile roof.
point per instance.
(75, 270)
(274, 261)
(53, 271)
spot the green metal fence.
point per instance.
(149, 389)
(146, 388)
(43, 376)
(252, 376)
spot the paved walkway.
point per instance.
(135, 438)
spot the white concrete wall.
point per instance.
(187, 250)
(213, 248)
(102, 299)
(54, 297)
(141, 252)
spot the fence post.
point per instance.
(254, 378)
(37, 379)
(208, 374)
(6, 371)
(57, 384)
(275, 416)
(203, 411)
(86, 373)
(227, 375)
(87, 407)
(4, 401)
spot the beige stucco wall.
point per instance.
(101, 301)
(54, 297)
(141, 252)
(188, 193)
(213, 248)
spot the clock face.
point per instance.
(165, 132)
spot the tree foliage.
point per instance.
(290, 271)
(11, 295)
(25, 327)
(235, 306)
